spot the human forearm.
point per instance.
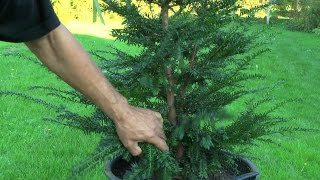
(62, 54)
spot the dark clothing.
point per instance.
(26, 20)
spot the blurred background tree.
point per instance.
(306, 16)
(301, 15)
(76, 10)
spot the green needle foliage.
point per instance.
(193, 62)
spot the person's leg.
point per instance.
(62, 54)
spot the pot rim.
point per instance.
(253, 168)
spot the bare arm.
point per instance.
(63, 55)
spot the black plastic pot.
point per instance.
(249, 170)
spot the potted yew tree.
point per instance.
(193, 62)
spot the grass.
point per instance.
(294, 60)
(31, 148)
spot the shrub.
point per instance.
(308, 19)
(316, 31)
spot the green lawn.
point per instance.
(31, 148)
(294, 60)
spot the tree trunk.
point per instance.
(269, 11)
(172, 115)
(296, 8)
(268, 14)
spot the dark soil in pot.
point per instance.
(115, 170)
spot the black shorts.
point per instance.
(26, 20)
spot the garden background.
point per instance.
(31, 148)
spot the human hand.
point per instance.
(136, 125)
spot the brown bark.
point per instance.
(171, 98)
(165, 15)
(193, 57)
(180, 151)
(172, 115)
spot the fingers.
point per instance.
(147, 127)
(160, 133)
(134, 149)
(159, 143)
(150, 112)
(158, 115)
